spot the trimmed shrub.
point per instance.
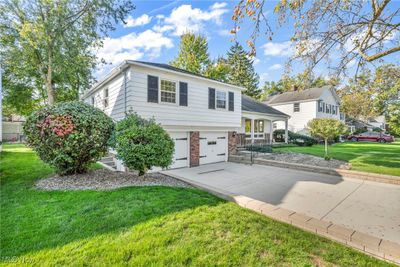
(69, 136)
(294, 138)
(142, 144)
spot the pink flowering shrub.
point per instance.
(69, 136)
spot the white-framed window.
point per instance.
(296, 107)
(168, 91)
(220, 99)
(105, 97)
(258, 128)
(275, 125)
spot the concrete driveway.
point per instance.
(369, 207)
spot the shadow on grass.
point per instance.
(33, 220)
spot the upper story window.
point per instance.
(327, 109)
(168, 91)
(105, 97)
(296, 107)
(221, 99)
(321, 105)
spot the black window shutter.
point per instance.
(152, 89)
(211, 98)
(183, 94)
(231, 101)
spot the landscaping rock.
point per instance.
(103, 179)
(306, 159)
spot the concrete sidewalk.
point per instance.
(368, 207)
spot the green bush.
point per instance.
(142, 144)
(69, 136)
(294, 138)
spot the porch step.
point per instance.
(108, 162)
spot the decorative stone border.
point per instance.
(376, 247)
(389, 179)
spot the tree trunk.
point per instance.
(326, 147)
(51, 96)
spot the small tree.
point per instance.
(142, 144)
(69, 136)
(327, 129)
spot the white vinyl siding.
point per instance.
(194, 116)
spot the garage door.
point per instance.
(181, 157)
(213, 147)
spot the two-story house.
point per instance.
(303, 106)
(203, 116)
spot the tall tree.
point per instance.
(242, 72)
(218, 69)
(351, 32)
(357, 98)
(386, 86)
(193, 53)
(393, 117)
(52, 43)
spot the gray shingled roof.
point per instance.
(169, 67)
(308, 94)
(251, 105)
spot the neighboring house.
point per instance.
(378, 122)
(202, 115)
(303, 106)
(354, 125)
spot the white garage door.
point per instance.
(181, 157)
(213, 147)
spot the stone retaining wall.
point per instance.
(390, 179)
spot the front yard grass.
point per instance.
(145, 226)
(363, 156)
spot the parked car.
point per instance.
(372, 137)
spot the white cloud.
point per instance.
(263, 77)
(275, 67)
(140, 21)
(186, 18)
(218, 5)
(134, 46)
(256, 61)
(278, 49)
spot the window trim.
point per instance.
(216, 99)
(176, 103)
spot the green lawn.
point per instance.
(145, 226)
(363, 156)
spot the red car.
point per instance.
(371, 137)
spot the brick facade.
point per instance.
(194, 149)
(232, 143)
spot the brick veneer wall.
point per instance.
(194, 149)
(232, 143)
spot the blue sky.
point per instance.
(153, 30)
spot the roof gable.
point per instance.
(302, 96)
(251, 105)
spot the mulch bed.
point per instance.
(104, 179)
(305, 159)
